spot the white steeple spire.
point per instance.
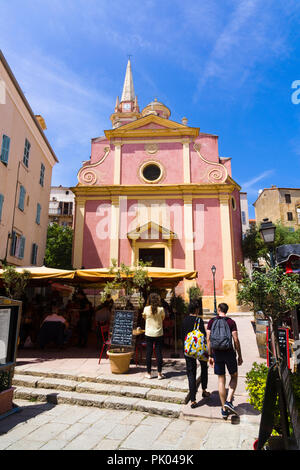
(128, 89)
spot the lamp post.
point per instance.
(213, 270)
(267, 232)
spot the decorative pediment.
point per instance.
(150, 231)
(152, 125)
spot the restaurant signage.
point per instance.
(123, 322)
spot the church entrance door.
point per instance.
(156, 255)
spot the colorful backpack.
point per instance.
(195, 344)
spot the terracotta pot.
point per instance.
(119, 361)
(6, 399)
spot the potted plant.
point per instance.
(273, 293)
(6, 391)
(256, 380)
(128, 281)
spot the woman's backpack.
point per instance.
(195, 343)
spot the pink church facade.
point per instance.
(157, 190)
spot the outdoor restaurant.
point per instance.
(97, 310)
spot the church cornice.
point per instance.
(192, 189)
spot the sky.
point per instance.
(232, 67)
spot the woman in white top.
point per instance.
(154, 316)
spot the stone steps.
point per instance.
(161, 401)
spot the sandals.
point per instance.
(205, 394)
(194, 404)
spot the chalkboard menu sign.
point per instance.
(123, 324)
(283, 341)
(10, 317)
(5, 316)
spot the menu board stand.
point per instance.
(10, 318)
(123, 322)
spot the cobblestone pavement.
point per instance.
(44, 426)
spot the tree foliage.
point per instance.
(274, 293)
(255, 248)
(59, 247)
(14, 282)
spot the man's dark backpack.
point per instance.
(220, 335)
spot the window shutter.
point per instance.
(38, 213)
(22, 247)
(1, 205)
(22, 198)
(13, 244)
(5, 148)
(34, 253)
(42, 174)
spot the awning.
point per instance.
(43, 272)
(161, 277)
(284, 252)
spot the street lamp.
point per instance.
(213, 270)
(267, 232)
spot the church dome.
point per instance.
(156, 108)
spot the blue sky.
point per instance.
(227, 65)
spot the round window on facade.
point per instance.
(151, 172)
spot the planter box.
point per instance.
(6, 400)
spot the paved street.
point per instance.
(53, 427)
(41, 425)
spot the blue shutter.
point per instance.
(22, 198)
(42, 174)
(1, 205)
(34, 253)
(5, 149)
(38, 213)
(22, 247)
(13, 243)
(26, 152)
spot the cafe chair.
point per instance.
(106, 342)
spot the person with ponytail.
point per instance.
(154, 315)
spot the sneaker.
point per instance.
(230, 408)
(161, 376)
(224, 413)
(148, 376)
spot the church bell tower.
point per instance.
(126, 110)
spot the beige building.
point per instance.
(26, 162)
(279, 205)
(61, 206)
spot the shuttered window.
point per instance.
(5, 149)
(38, 214)
(26, 153)
(34, 253)
(1, 205)
(22, 198)
(42, 174)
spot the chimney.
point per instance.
(41, 121)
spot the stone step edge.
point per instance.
(172, 410)
(163, 384)
(83, 387)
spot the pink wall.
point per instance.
(169, 155)
(208, 228)
(96, 243)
